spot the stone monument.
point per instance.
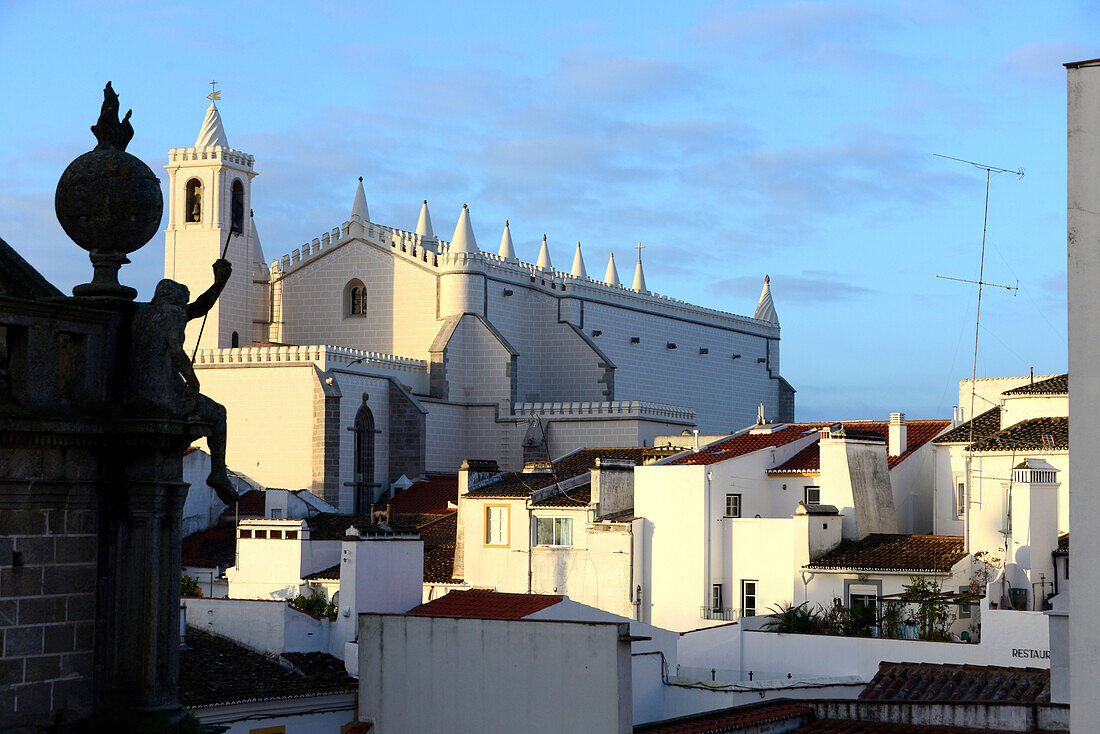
(97, 403)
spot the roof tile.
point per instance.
(894, 552)
(212, 548)
(1057, 385)
(429, 496)
(479, 604)
(731, 719)
(518, 484)
(957, 683)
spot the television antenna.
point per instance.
(980, 282)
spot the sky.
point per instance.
(734, 139)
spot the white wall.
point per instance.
(336, 712)
(493, 675)
(264, 626)
(376, 575)
(274, 569)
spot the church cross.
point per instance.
(639, 247)
(214, 92)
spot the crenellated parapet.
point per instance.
(324, 356)
(212, 153)
(632, 408)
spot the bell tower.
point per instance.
(210, 198)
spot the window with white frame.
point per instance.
(811, 495)
(554, 531)
(716, 597)
(748, 598)
(964, 606)
(733, 505)
(863, 596)
(496, 525)
(960, 497)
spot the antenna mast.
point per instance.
(980, 282)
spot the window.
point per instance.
(355, 299)
(246, 533)
(235, 340)
(276, 513)
(554, 530)
(811, 495)
(291, 534)
(269, 730)
(276, 534)
(964, 606)
(960, 497)
(733, 505)
(237, 208)
(193, 207)
(748, 598)
(364, 459)
(716, 597)
(261, 535)
(864, 596)
(496, 525)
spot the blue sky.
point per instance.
(734, 139)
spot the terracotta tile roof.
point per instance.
(575, 497)
(917, 434)
(731, 719)
(746, 443)
(889, 552)
(332, 573)
(334, 525)
(1057, 385)
(808, 460)
(516, 484)
(957, 683)
(986, 424)
(834, 726)
(1051, 434)
(439, 564)
(429, 496)
(478, 604)
(250, 504)
(438, 529)
(214, 670)
(212, 548)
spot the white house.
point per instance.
(721, 537)
(1002, 483)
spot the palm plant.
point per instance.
(794, 619)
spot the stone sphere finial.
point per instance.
(109, 202)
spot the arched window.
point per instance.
(364, 459)
(237, 207)
(193, 204)
(355, 299)
(235, 340)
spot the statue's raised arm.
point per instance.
(222, 270)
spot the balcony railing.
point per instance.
(714, 613)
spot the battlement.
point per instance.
(324, 356)
(435, 254)
(632, 408)
(211, 153)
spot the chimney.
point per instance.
(475, 472)
(896, 445)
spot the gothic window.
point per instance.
(355, 299)
(235, 340)
(193, 211)
(364, 459)
(237, 207)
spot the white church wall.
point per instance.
(401, 301)
(477, 366)
(352, 389)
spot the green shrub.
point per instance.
(189, 586)
(315, 604)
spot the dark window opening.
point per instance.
(237, 207)
(193, 206)
(364, 459)
(235, 340)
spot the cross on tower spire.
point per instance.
(215, 93)
(639, 247)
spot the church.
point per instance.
(373, 354)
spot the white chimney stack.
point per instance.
(897, 439)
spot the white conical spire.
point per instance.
(463, 240)
(765, 309)
(544, 257)
(611, 277)
(359, 211)
(578, 270)
(639, 276)
(507, 251)
(424, 224)
(212, 132)
(257, 251)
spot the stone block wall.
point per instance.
(47, 613)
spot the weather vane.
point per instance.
(215, 94)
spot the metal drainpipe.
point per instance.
(635, 601)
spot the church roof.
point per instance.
(463, 239)
(578, 270)
(257, 251)
(424, 223)
(507, 251)
(544, 256)
(359, 211)
(212, 132)
(765, 309)
(611, 277)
